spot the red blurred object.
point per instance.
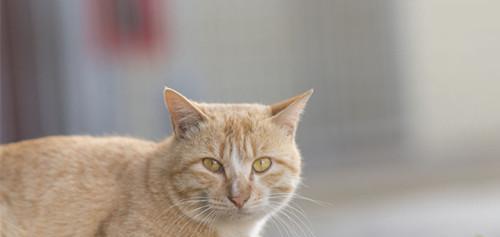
(128, 25)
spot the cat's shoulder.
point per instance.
(66, 143)
(76, 140)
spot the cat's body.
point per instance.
(117, 186)
(84, 186)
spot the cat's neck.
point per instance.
(240, 229)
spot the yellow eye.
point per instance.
(262, 164)
(212, 165)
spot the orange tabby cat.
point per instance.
(223, 172)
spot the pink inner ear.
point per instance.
(183, 113)
(282, 105)
(187, 121)
(287, 113)
(287, 118)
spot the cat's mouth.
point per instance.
(247, 212)
(244, 212)
(238, 215)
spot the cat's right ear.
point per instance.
(184, 115)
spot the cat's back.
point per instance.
(64, 176)
(66, 153)
(54, 143)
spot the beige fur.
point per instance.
(118, 186)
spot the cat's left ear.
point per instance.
(287, 113)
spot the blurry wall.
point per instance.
(30, 84)
(451, 65)
(265, 51)
(397, 82)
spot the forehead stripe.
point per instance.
(222, 149)
(235, 158)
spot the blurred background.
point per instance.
(402, 135)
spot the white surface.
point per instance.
(469, 211)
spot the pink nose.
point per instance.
(238, 201)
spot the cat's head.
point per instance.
(233, 161)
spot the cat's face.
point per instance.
(233, 162)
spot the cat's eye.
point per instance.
(261, 165)
(212, 165)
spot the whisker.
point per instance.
(301, 197)
(194, 218)
(307, 227)
(276, 226)
(285, 225)
(289, 213)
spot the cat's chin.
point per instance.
(244, 214)
(240, 216)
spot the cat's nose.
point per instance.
(239, 201)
